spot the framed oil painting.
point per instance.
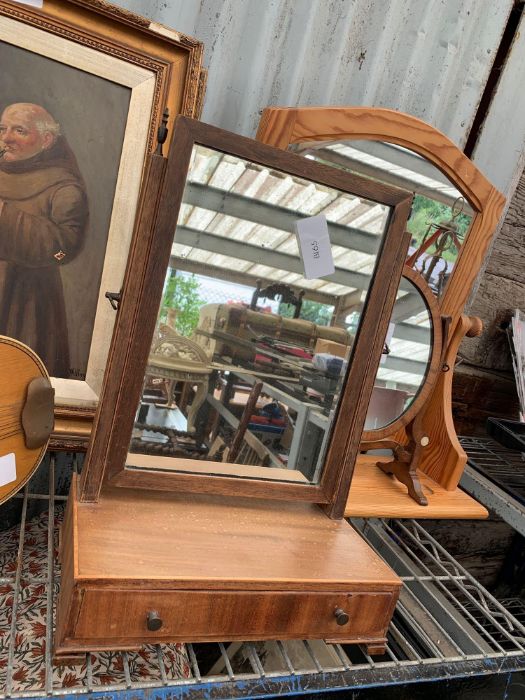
(80, 104)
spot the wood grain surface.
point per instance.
(445, 459)
(214, 569)
(143, 537)
(374, 494)
(227, 615)
(18, 366)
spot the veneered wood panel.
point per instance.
(214, 568)
(199, 615)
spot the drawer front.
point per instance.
(225, 615)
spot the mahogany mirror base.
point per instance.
(153, 567)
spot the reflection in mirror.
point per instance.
(440, 216)
(249, 355)
(404, 366)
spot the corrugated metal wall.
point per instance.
(430, 58)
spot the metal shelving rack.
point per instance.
(495, 476)
(446, 625)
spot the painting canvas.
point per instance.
(61, 136)
(82, 92)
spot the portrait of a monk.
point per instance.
(43, 220)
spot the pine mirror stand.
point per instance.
(454, 217)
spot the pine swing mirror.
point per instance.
(218, 380)
(454, 217)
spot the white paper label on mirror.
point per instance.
(7, 469)
(314, 244)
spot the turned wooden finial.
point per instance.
(162, 131)
(476, 327)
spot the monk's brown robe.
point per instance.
(43, 217)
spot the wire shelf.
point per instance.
(504, 467)
(445, 625)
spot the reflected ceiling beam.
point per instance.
(378, 173)
(402, 364)
(413, 333)
(220, 245)
(407, 306)
(265, 214)
(230, 247)
(248, 280)
(401, 157)
(390, 153)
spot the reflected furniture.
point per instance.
(442, 459)
(178, 359)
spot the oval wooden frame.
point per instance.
(433, 367)
(281, 126)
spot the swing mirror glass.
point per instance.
(405, 364)
(441, 217)
(251, 350)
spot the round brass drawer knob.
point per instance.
(341, 617)
(153, 621)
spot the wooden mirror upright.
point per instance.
(210, 235)
(209, 529)
(402, 150)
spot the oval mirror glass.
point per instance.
(406, 359)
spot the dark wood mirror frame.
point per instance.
(140, 301)
(444, 458)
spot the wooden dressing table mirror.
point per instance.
(455, 213)
(215, 513)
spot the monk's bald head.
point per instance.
(25, 130)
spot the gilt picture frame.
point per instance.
(102, 77)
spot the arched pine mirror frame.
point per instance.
(444, 459)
